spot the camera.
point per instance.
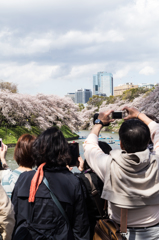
(0, 142)
(118, 115)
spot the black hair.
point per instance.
(134, 135)
(51, 147)
(106, 148)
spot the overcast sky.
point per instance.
(55, 46)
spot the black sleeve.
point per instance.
(81, 228)
(14, 200)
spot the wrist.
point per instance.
(144, 118)
(96, 129)
(138, 114)
(3, 160)
(81, 169)
(98, 121)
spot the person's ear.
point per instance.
(121, 145)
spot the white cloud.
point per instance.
(122, 72)
(147, 70)
(27, 76)
(58, 41)
(41, 43)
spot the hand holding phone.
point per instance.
(3, 152)
(96, 117)
(105, 117)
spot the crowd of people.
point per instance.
(43, 199)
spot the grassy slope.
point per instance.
(11, 135)
(67, 132)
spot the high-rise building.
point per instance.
(103, 83)
(71, 95)
(82, 95)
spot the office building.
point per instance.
(71, 95)
(103, 83)
(83, 95)
(121, 88)
(147, 85)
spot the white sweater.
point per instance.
(136, 191)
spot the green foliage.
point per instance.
(32, 120)
(81, 106)
(96, 100)
(67, 132)
(115, 126)
(111, 99)
(149, 91)
(133, 93)
(11, 134)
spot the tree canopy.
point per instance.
(12, 87)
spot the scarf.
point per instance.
(35, 182)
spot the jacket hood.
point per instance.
(131, 162)
(132, 179)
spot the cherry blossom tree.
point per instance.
(147, 103)
(40, 110)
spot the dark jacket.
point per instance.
(43, 214)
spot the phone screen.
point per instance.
(74, 152)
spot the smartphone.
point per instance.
(118, 115)
(74, 152)
(0, 142)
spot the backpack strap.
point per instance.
(56, 201)
(95, 195)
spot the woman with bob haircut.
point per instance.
(37, 215)
(23, 157)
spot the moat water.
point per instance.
(12, 163)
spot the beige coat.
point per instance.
(130, 180)
(7, 220)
